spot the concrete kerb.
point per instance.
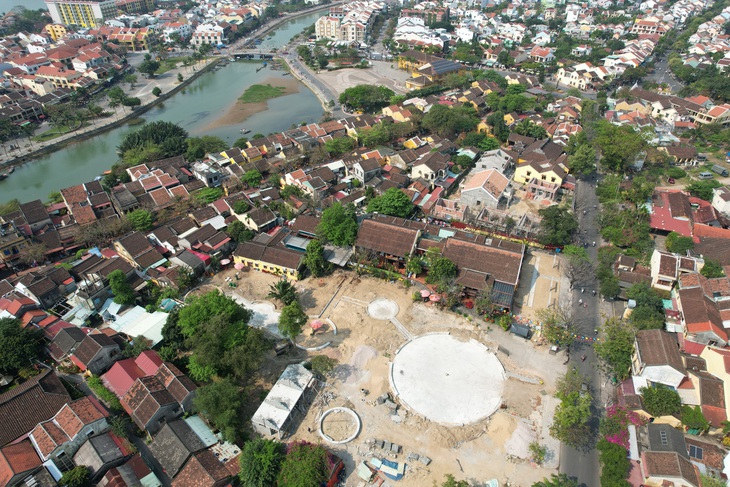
(313, 349)
(354, 416)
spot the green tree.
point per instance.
(140, 219)
(583, 160)
(55, 197)
(314, 259)
(260, 462)
(338, 225)
(292, 320)
(239, 232)
(241, 206)
(221, 403)
(693, 418)
(393, 202)
(339, 145)
(156, 91)
(616, 348)
(649, 311)
(557, 226)
(366, 98)
(679, 244)
(499, 127)
(122, 291)
(198, 147)
(440, 270)
(140, 345)
(200, 309)
(712, 269)
(179, 77)
(615, 464)
(449, 122)
(18, 346)
(322, 364)
(208, 195)
(559, 480)
(305, 465)
(618, 145)
(703, 189)
(570, 422)
(450, 481)
(284, 291)
(76, 477)
(252, 178)
(169, 137)
(149, 67)
(660, 401)
(130, 79)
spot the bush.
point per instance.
(676, 172)
(156, 91)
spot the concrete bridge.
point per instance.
(252, 54)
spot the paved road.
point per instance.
(662, 74)
(576, 463)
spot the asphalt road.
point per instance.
(662, 74)
(583, 464)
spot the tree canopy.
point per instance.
(712, 269)
(292, 320)
(260, 462)
(440, 270)
(450, 122)
(366, 98)
(169, 137)
(122, 291)
(617, 347)
(583, 160)
(314, 259)
(305, 465)
(198, 147)
(660, 401)
(338, 225)
(140, 219)
(221, 403)
(393, 202)
(557, 226)
(199, 309)
(557, 480)
(570, 422)
(678, 243)
(18, 346)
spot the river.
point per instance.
(194, 108)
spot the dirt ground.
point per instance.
(241, 111)
(364, 348)
(382, 73)
(541, 283)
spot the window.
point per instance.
(695, 452)
(663, 437)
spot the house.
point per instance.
(721, 200)
(65, 343)
(203, 469)
(667, 267)
(153, 400)
(495, 159)
(389, 241)
(133, 472)
(96, 353)
(366, 169)
(664, 457)
(542, 54)
(671, 211)
(36, 400)
(259, 219)
(431, 167)
(99, 454)
(656, 360)
(272, 259)
(122, 375)
(137, 250)
(62, 435)
(484, 189)
(701, 317)
(685, 155)
(17, 461)
(174, 444)
(285, 403)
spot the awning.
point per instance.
(425, 293)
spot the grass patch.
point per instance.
(54, 133)
(172, 62)
(259, 93)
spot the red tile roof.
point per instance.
(16, 459)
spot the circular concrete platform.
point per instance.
(446, 380)
(383, 309)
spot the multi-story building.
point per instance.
(327, 27)
(135, 6)
(81, 13)
(429, 13)
(351, 22)
(56, 31)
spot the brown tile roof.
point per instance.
(385, 238)
(34, 211)
(501, 263)
(657, 347)
(306, 224)
(16, 459)
(74, 194)
(174, 444)
(135, 244)
(32, 402)
(202, 470)
(670, 464)
(91, 345)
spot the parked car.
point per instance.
(671, 181)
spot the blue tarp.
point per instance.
(394, 466)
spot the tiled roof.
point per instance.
(91, 345)
(657, 347)
(385, 238)
(16, 459)
(174, 444)
(32, 402)
(202, 470)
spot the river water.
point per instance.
(194, 108)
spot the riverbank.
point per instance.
(167, 82)
(241, 110)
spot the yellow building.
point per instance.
(509, 119)
(630, 106)
(81, 13)
(279, 261)
(542, 171)
(56, 31)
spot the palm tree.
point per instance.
(114, 103)
(284, 291)
(29, 129)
